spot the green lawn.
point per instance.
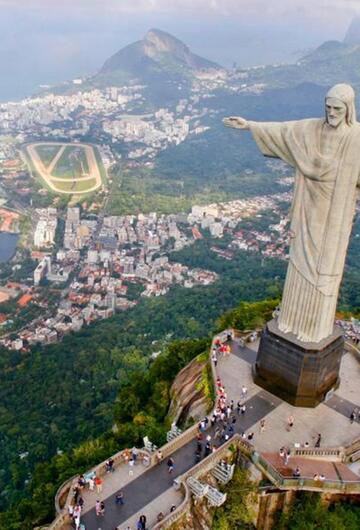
(47, 152)
(73, 162)
(75, 187)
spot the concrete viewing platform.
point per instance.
(149, 490)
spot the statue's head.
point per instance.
(340, 105)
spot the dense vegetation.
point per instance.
(140, 409)
(236, 512)
(309, 513)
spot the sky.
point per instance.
(44, 41)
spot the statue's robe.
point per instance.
(321, 219)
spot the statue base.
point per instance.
(301, 373)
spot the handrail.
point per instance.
(100, 470)
(337, 453)
(61, 489)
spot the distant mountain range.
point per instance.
(160, 60)
(332, 62)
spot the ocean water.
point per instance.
(8, 244)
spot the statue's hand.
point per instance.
(236, 122)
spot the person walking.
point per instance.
(214, 358)
(102, 508)
(318, 440)
(353, 416)
(131, 466)
(99, 484)
(119, 499)
(290, 422)
(170, 465)
(141, 525)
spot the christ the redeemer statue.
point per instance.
(326, 156)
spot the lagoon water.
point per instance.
(8, 244)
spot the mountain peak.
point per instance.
(158, 51)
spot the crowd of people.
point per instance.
(213, 431)
(351, 330)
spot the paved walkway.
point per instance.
(150, 490)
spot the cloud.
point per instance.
(309, 8)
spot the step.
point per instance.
(215, 497)
(197, 488)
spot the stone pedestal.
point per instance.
(301, 373)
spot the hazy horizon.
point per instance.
(45, 45)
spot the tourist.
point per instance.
(91, 483)
(197, 456)
(76, 493)
(102, 508)
(207, 449)
(353, 415)
(243, 409)
(287, 456)
(296, 472)
(134, 454)
(170, 465)
(214, 358)
(159, 457)
(97, 508)
(173, 508)
(318, 440)
(99, 484)
(238, 407)
(160, 517)
(142, 523)
(290, 422)
(77, 521)
(244, 391)
(119, 498)
(131, 466)
(262, 427)
(110, 466)
(81, 482)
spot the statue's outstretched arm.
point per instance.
(236, 122)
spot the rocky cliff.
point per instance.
(190, 392)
